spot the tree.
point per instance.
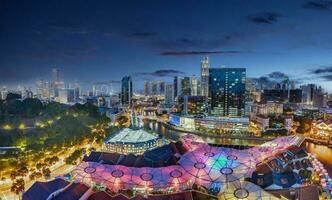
(32, 107)
(46, 172)
(18, 186)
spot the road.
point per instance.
(6, 194)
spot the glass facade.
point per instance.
(126, 90)
(227, 91)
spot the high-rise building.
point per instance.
(66, 95)
(185, 85)
(126, 91)
(154, 88)
(147, 88)
(3, 94)
(308, 93)
(177, 88)
(319, 98)
(194, 86)
(193, 105)
(39, 88)
(169, 94)
(55, 76)
(161, 87)
(77, 91)
(205, 76)
(282, 95)
(227, 91)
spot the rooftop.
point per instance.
(128, 135)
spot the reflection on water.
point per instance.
(323, 153)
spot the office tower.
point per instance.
(205, 76)
(177, 88)
(66, 95)
(77, 91)
(147, 88)
(193, 105)
(161, 88)
(154, 88)
(39, 88)
(3, 94)
(185, 86)
(194, 86)
(308, 93)
(126, 91)
(55, 76)
(282, 95)
(319, 98)
(169, 94)
(227, 91)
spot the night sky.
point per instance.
(97, 41)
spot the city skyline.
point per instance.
(90, 45)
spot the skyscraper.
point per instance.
(205, 76)
(55, 76)
(66, 95)
(177, 86)
(39, 88)
(161, 87)
(147, 88)
(126, 91)
(227, 91)
(185, 85)
(154, 88)
(169, 94)
(194, 86)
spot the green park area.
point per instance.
(35, 137)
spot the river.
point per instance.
(323, 153)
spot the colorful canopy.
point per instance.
(203, 165)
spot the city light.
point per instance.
(219, 100)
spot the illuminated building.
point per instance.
(130, 141)
(205, 76)
(222, 171)
(194, 85)
(3, 94)
(308, 93)
(147, 88)
(282, 95)
(193, 105)
(55, 76)
(268, 108)
(177, 86)
(154, 88)
(322, 129)
(210, 124)
(185, 86)
(262, 123)
(162, 88)
(66, 95)
(169, 94)
(227, 91)
(126, 91)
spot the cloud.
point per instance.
(327, 77)
(277, 75)
(161, 73)
(69, 27)
(322, 70)
(264, 18)
(189, 53)
(141, 35)
(318, 5)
